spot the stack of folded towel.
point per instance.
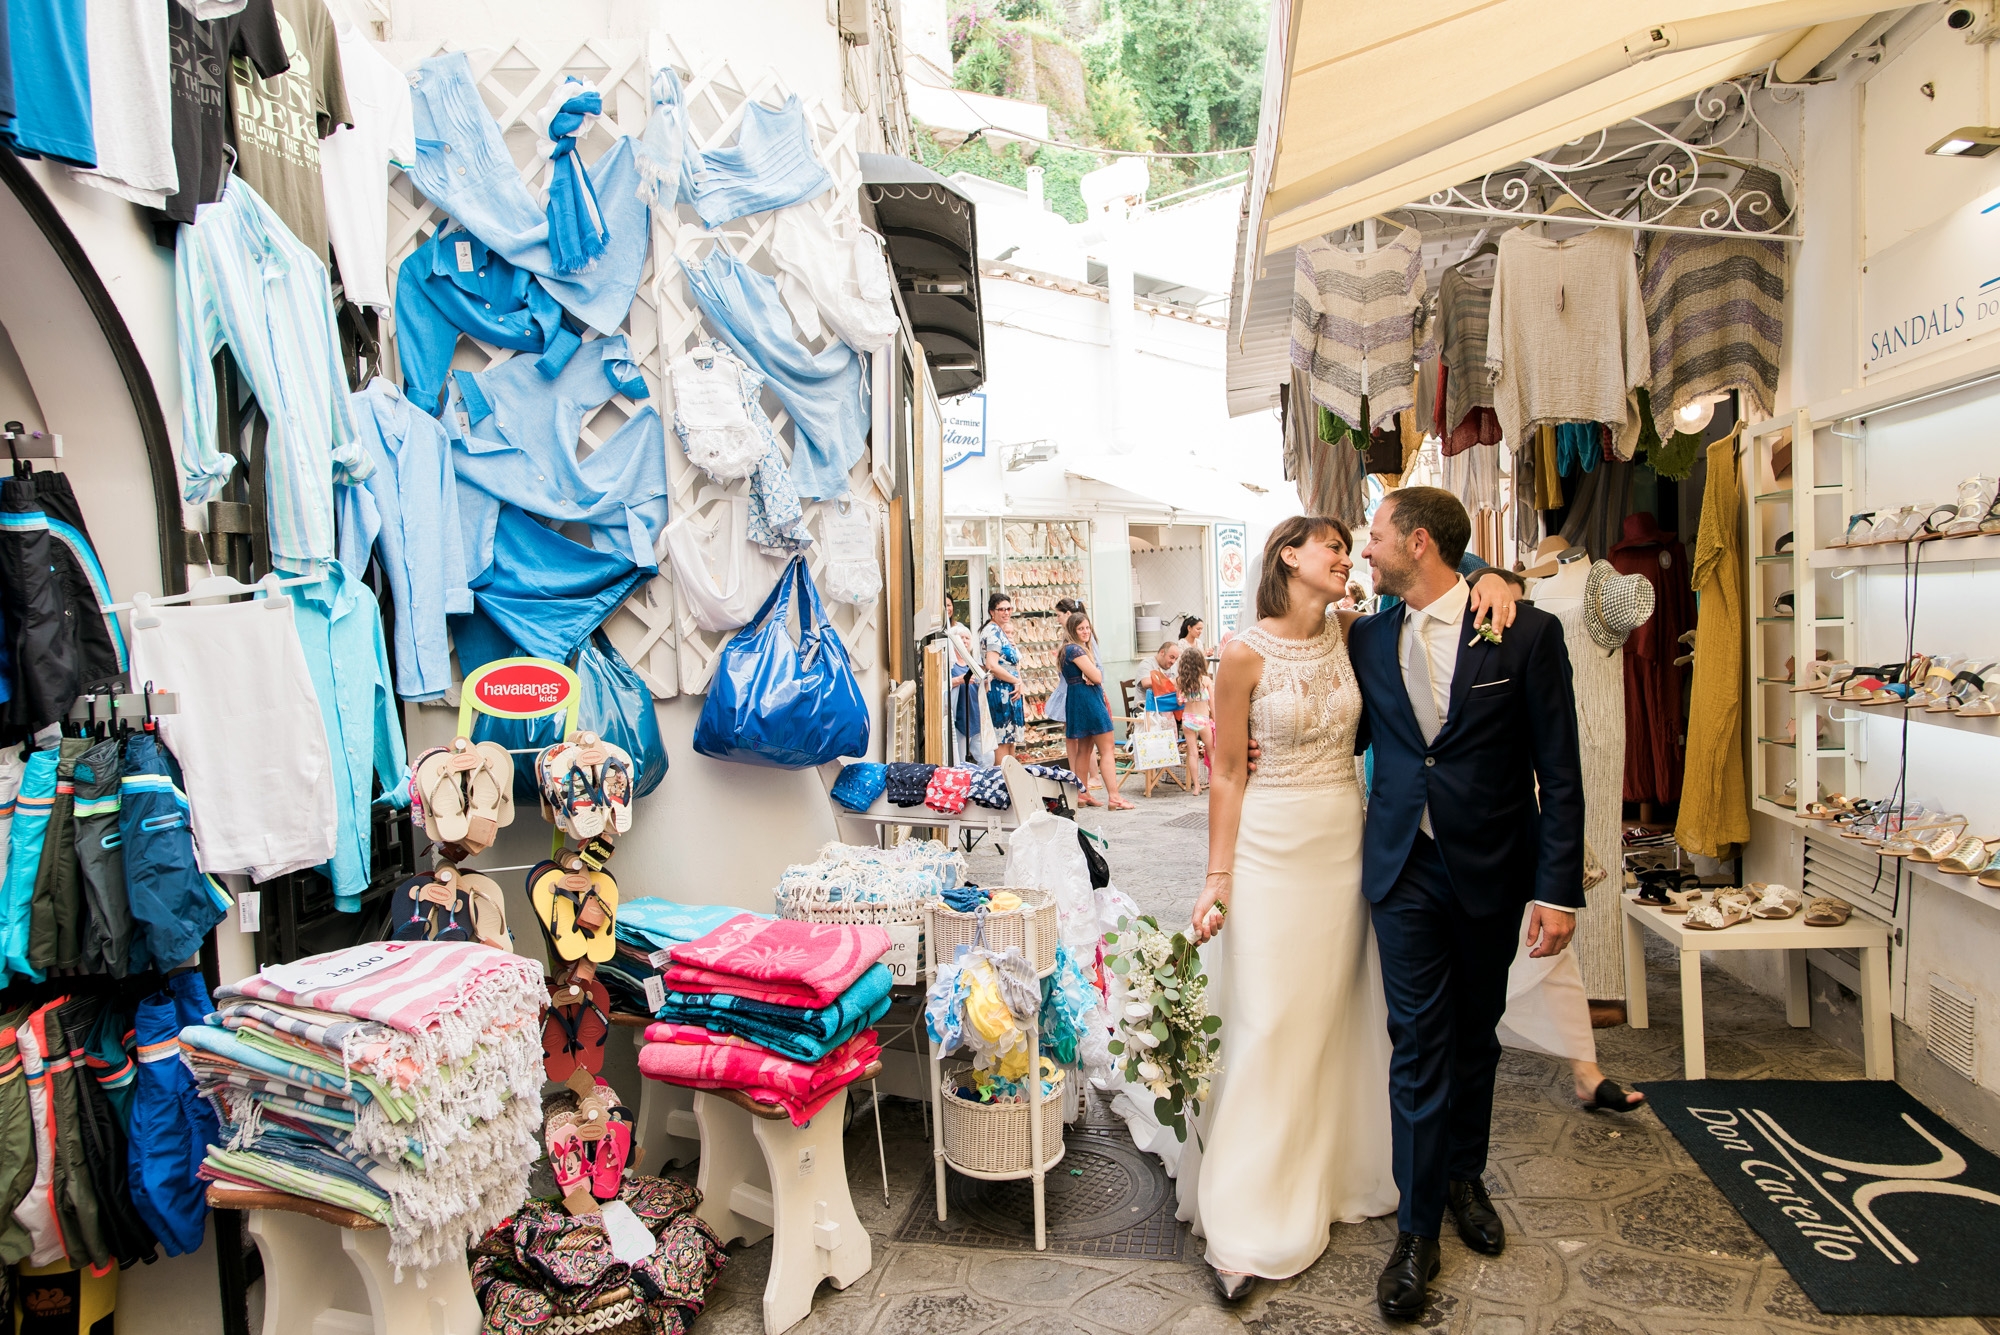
(778, 1008)
(400, 1080)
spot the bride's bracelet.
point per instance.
(1230, 874)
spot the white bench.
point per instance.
(307, 1294)
(761, 1177)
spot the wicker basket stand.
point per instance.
(1006, 1141)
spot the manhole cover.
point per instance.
(1194, 820)
(1104, 1199)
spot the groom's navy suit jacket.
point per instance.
(1511, 723)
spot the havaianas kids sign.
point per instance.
(1934, 289)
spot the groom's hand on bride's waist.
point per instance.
(1252, 754)
(1549, 930)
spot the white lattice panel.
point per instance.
(660, 640)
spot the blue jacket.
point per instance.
(1511, 725)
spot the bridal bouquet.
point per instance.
(1166, 1036)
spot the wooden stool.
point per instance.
(763, 1177)
(306, 1295)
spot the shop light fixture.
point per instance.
(954, 363)
(937, 287)
(1967, 141)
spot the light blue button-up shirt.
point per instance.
(340, 627)
(514, 442)
(241, 280)
(407, 511)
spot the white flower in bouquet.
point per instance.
(1166, 1036)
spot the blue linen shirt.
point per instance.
(514, 441)
(408, 511)
(340, 628)
(243, 281)
(454, 284)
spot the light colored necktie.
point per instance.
(1423, 701)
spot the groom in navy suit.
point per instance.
(1459, 841)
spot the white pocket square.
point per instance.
(1484, 684)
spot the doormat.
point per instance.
(1874, 1203)
(1105, 1198)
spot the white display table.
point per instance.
(1790, 935)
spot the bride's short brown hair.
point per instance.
(1274, 595)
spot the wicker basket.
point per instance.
(955, 929)
(854, 913)
(993, 1137)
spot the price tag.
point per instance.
(656, 993)
(250, 911)
(660, 959)
(902, 956)
(464, 249)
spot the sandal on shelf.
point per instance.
(1777, 901)
(1714, 917)
(440, 786)
(1828, 912)
(489, 802)
(1991, 523)
(1663, 887)
(1966, 687)
(1975, 500)
(1983, 704)
(1831, 807)
(1936, 839)
(426, 908)
(578, 1023)
(1858, 528)
(1735, 897)
(486, 906)
(1785, 604)
(1610, 1096)
(1971, 856)
(1990, 877)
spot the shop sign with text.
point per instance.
(964, 428)
(1934, 289)
(1231, 560)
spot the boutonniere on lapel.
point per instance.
(1486, 633)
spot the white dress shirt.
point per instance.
(1435, 626)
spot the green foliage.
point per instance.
(1181, 75)
(1197, 68)
(984, 66)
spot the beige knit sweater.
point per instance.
(1566, 339)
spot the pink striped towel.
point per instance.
(787, 963)
(801, 1088)
(411, 986)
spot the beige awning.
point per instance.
(1370, 106)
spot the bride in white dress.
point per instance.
(1295, 1135)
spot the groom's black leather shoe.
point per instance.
(1478, 1226)
(1401, 1290)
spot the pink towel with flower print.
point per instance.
(684, 1055)
(776, 960)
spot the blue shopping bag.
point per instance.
(784, 701)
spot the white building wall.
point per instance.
(1869, 184)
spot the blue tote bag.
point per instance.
(776, 700)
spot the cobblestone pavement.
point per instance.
(1612, 1230)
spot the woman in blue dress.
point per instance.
(1087, 728)
(1003, 692)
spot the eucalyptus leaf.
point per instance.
(1210, 1024)
(1115, 1047)
(1160, 1030)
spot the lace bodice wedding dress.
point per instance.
(1296, 1133)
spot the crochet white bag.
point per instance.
(712, 408)
(852, 574)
